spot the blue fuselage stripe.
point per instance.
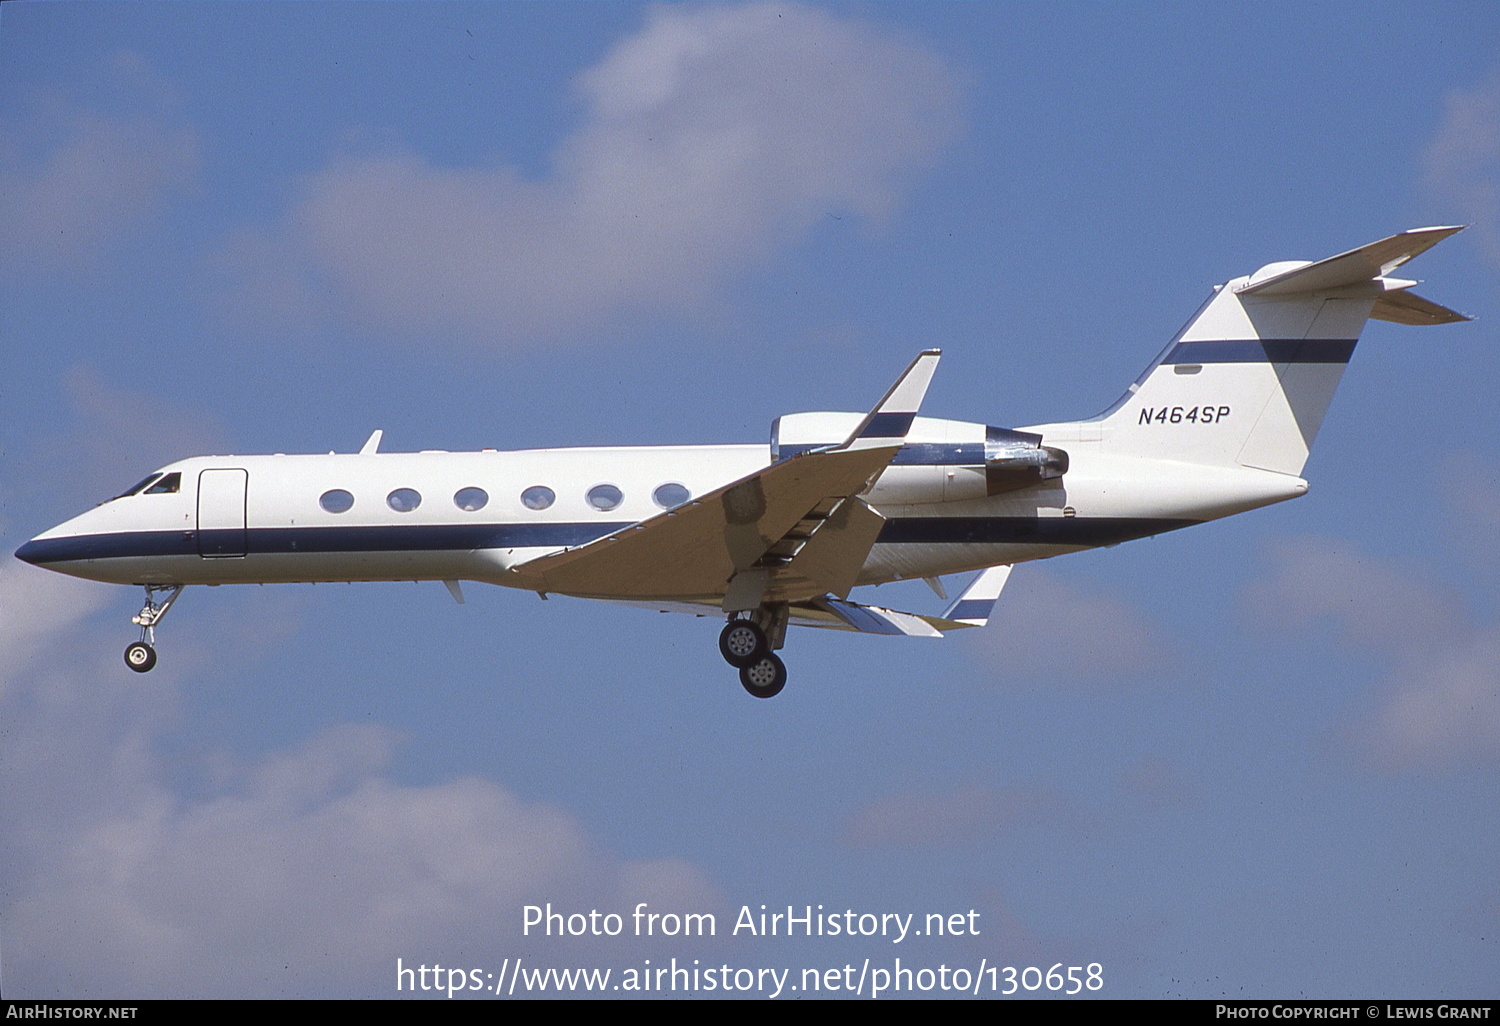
(1024, 530)
(1265, 350)
(466, 537)
(281, 540)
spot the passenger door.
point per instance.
(221, 512)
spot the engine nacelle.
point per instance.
(1010, 466)
(942, 460)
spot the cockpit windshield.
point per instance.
(142, 483)
(154, 484)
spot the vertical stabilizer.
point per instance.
(1248, 380)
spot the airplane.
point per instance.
(775, 535)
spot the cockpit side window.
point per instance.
(169, 484)
(142, 483)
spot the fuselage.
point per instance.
(1221, 422)
(438, 515)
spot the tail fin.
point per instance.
(1248, 380)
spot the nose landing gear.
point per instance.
(748, 643)
(140, 656)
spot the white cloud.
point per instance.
(1444, 704)
(1441, 699)
(1471, 482)
(963, 814)
(1045, 629)
(709, 139)
(311, 878)
(77, 179)
(309, 874)
(1373, 603)
(39, 606)
(301, 872)
(1462, 163)
(115, 438)
(1158, 782)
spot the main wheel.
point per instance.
(743, 644)
(766, 678)
(140, 656)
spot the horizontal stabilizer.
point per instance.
(830, 613)
(878, 620)
(973, 607)
(839, 614)
(1408, 308)
(1366, 263)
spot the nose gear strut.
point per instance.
(140, 656)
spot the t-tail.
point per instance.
(1247, 381)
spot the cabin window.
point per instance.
(336, 500)
(538, 497)
(671, 494)
(605, 496)
(169, 484)
(471, 499)
(404, 500)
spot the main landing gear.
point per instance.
(140, 656)
(746, 643)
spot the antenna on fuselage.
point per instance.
(372, 445)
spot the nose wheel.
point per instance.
(140, 656)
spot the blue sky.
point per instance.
(1254, 758)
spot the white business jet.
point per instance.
(775, 535)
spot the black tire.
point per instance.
(743, 644)
(766, 678)
(140, 656)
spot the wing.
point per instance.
(792, 531)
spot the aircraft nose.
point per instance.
(31, 552)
